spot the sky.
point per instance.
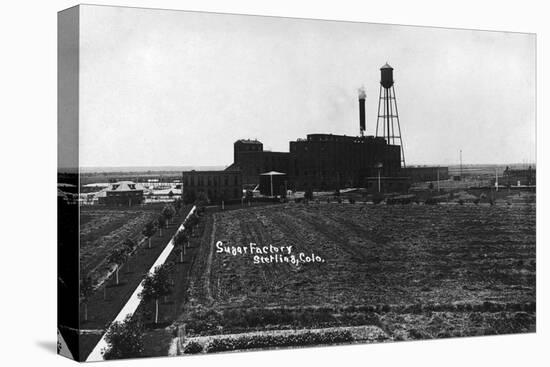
(174, 88)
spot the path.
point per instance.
(209, 261)
(133, 302)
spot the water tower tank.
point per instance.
(386, 76)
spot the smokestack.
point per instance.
(362, 123)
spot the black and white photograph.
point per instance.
(237, 183)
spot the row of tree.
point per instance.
(181, 239)
(158, 284)
(121, 254)
(125, 339)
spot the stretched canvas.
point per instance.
(235, 182)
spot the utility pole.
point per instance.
(460, 164)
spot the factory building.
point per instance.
(323, 161)
(519, 177)
(273, 183)
(246, 145)
(327, 162)
(217, 185)
(250, 158)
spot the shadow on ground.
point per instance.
(48, 345)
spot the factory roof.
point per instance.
(249, 141)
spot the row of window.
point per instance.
(210, 180)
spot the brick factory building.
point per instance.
(321, 161)
(327, 162)
(217, 185)
(250, 158)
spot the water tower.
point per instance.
(388, 117)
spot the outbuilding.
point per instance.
(122, 193)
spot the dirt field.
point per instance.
(414, 271)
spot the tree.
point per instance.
(161, 223)
(180, 240)
(128, 245)
(168, 212)
(148, 231)
(282, 190)
(86, 289)
(189, 197)
(124, 339)
(155, 286)
(177, 205)
(308, 194)
(117, 258)
(191, 222)
(202, 199)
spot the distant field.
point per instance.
(414, 271)
(486, 169)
